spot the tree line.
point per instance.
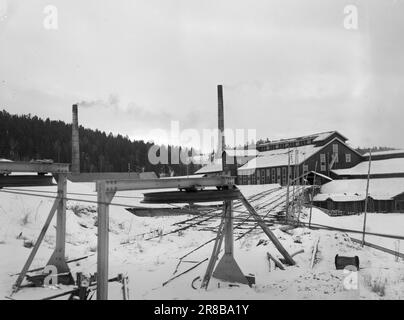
(28, 137)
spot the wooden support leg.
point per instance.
(288, 259)
(38, 242)
(58, 258)
(227, 268)
(104, 198)
(214, 256)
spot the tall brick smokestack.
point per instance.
(75, 141)
(221, 140)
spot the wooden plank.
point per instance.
(96, 176)
(375, 246)
(180, 183)
(36, 246)
(214, 255)
(314, 253)
(268, 232)
(178, 275)
(26, 181)
(40, 167)
(277, 263)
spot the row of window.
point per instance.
(286, 145)
(271, 175)
(334, 158)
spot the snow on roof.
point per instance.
(215, 166)
(180, 177)
(395, 165)
(5, 160)
(355, 189)
(339, 197)
(377, 153)
(279, 157)
(316, 138)
(321, 175)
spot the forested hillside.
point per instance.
(27, 137)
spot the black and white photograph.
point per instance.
(216, 152)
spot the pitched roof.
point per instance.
(355, 189)
(279, 157)
(215, 166)
(395, 165)
(382, 153)
(317, 137)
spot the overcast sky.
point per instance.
(288, 67)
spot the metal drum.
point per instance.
(342, 262)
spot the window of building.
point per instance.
(284, 176)
(305, 168)
(323, 165)
(253, 179)
(278, 175)
(273, 176)
(267, 175)
(262, 176)
(347, 157)
(335, 152)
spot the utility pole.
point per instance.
(312, 193)
(287, 189)
(366, 199)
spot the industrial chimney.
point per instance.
(75, 141)
(221, 140)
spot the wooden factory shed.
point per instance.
(348, 195)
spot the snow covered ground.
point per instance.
(149, 263)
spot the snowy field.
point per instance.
(149, 263)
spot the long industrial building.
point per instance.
(339, 169)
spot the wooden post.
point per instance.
(38, 242)
(215, 253)
(103, 198)
(287, 190)
(58, 258)
(228, 240)
(289, 260)
(312, 193)
(366, 199)
(227, 268)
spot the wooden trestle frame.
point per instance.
(227, 269)
(59, 172)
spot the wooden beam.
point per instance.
(103, 198)
(314, 252)
(179, 183)
(277, 263)
(377, 247)
(58, 258)
(215, 254)
(40, 167)
(25, 181)
(36, 246)
(228, 228)
(268, 232)
(95, 176)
